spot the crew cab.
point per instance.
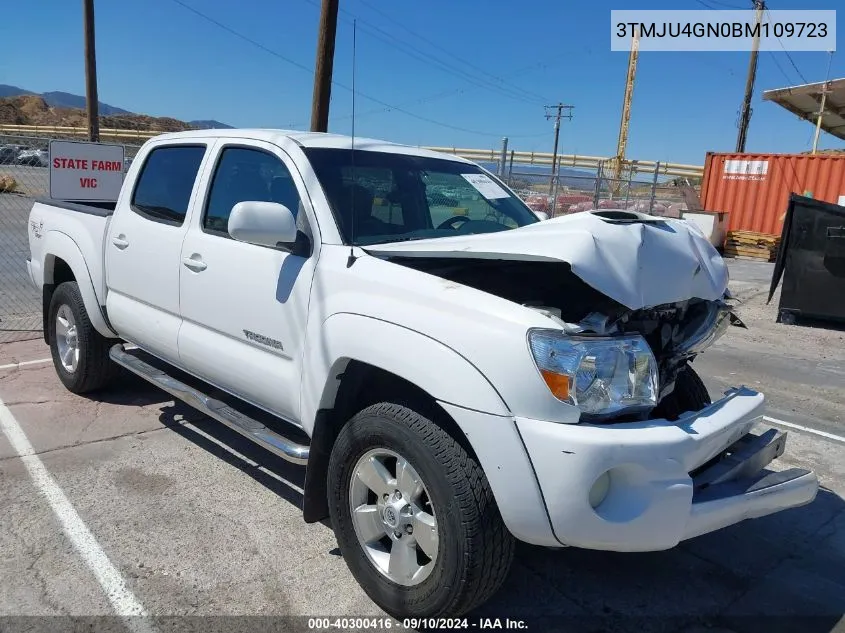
(454, 373)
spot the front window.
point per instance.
(243, 174)
(387, 197)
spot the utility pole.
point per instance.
(625, 123)
(745, 112)
(324, 66)
(822, 103)
(91, 99)
(557, 116)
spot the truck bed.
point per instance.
(69, 230)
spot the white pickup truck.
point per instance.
(454, 372)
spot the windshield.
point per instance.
(395, 197)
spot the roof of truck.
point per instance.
(310, 139)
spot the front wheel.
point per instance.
(80, 353)
(414, 515)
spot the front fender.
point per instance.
(421, 360)
(453, 381)
(59, 245)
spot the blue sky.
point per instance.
(159, 58)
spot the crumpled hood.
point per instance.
(640, 262)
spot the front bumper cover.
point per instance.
(668, 481)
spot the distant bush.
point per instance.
(7, 184)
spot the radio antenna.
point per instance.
(351, 259)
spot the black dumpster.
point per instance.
(811, 261)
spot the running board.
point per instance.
(220, 411)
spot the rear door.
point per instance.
(143, 246)
(244, 307)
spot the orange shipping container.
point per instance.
(755, 188)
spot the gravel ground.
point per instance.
(823, 341)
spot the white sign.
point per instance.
(485, 186)
(841, 202)
(746, 169)
(721, 30)
(85, 171)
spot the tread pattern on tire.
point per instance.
(485, 531)
(95, 368)
(690, 394)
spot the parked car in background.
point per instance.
(34, 158)
(9, 154)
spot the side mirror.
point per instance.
(542, 215)
(262, 223)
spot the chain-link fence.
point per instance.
(570, 191)
(24, 176)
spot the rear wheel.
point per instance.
(690, 394)
(80, 353)
(414, 516)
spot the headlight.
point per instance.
(603, 377)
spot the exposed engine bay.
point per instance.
(676, 332)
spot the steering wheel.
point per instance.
(452, 223)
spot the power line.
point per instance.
(448, 93)
(425, 58)
(244, 37)
(780, 68)
(788, 56)
(450, 54)
(388, 106)
(417, 53)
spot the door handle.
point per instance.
(195, 263)
(120, 241)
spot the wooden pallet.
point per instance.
(763, 254)
(751, 244)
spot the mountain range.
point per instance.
(58, 99)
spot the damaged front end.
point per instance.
(675, 333)
(623, 364)
(613, 362)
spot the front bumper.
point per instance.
(668, 481)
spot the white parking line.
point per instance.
(124, 602)
(806, 429)
(25, 363)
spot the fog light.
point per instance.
(600, 489)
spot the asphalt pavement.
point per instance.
(128, 503)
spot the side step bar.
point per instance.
(220, 411)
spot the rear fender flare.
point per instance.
(59, 245)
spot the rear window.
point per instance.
(167, 178)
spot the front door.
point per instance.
(244, 307)
(143, 244)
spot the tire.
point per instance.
(787, 317)
(86, 365)
(474, 548)
(690, 394)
